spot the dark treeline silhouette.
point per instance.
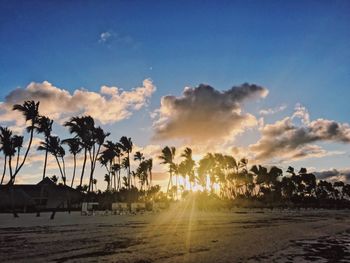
(215, 175)
(222, 176)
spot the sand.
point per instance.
(179, 235)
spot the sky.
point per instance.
(264, 79)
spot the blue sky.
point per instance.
(298, 50)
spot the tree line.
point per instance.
(214, 173)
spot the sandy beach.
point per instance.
(179, 235)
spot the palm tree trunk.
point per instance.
(118, 173)
(129, 175)
(12, 189)
(170, 181)
(150, 178)
(74, 167)
(18, 153)
(83, 168)
(115, 180)
(91, 170)
(59, 166)
(4, 172)
(64, 170)
(45, 163)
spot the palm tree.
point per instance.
(182, 170)
(44, 126)
(82, 127)
(167, 157)
(116, 169)
(126, 145)
(117, 166)
(107, 159)
(142, 173)
(8, 149)
(205, 169)
(98, 138)
(189, 165)
(75, 147)
(30, 110)
(54, 147)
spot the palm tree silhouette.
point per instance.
(44, 126)
(167, 157)
(98, 138)
(188, 165)
(126, 145)
(75, 147)
(142, 173)
(107, 159)
(30, 110)
(8, 149)
(53, 146)
(82, 127)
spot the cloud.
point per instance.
(109, 38)
(285, 139)
(302, 113)
(271, 111)
(105, 36)
(109, 105)
(334, 175)
(204, 114)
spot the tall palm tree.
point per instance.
(117, 166)
(205, 170)
(82, 127)
(75, 147)
(107, 159)
(126, 145)
(142, 173)
(30, 110)
(5, 160)
(98, 136)
(167, 157)
(45, 127)
(189, 165)
(116, 170)
(53, 146)
(182, 171)
(8, 149)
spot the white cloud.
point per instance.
(285, 139)
(104, 36)
(271, 111)
(110, 105)
(204, 114)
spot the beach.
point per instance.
(179, 235)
